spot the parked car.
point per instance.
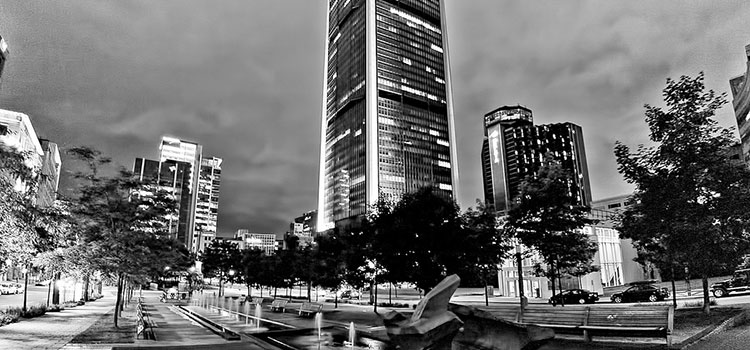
(349, 294)
(641, 292)
(7, 288)
(740, 282)
(18, 288)
(574, 296)
(42, 283)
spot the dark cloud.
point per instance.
(244, 79)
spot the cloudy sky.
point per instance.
(244, 78)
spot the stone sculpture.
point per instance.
(431, 326)
(438, 325)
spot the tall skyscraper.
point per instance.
(387, 118)
(207, 206)
(514, 148)
(194, 182)
(741, 103)
(3, 57)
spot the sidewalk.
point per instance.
(54, 329)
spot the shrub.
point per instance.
(10, 315)
(699, 303)
(55, 308)
(393, 304)
(35, 311)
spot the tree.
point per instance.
(18, 214)
(484, 246)
(219, 258)
(330, 264)
(690, 198)
(250, 268)
(548, 219)
(416, 241)
(120, 225)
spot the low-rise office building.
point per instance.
(614, 256)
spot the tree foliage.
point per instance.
(546, 218)
(690, 198)
(219, 258)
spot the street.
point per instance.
(36, 295)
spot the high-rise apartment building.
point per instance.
(387, 116)
(194, 182)
(514, 148)
(741, 103)
(3, 57)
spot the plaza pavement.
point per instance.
(56, 330)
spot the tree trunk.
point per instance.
(309, 286)
(86, 287)
(55, 289)
(275, 291)
(390, 287)
(375, 304)
(118, 299)
(706, 301)
(552, 277)
(559, 284)
(674, 292)
(371, 296)
(49, 293)
(335, 299)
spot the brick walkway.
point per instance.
(55, 329)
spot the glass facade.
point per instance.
(209, 183)
(514, 148)
(610, 256)
(194, 182)
(387, 117)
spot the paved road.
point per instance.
(36, 296)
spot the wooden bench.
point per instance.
(279, 305)
(309, 309)
(655, 321)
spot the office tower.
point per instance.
(303, 227)
(207, 206)
(50, 171)
(514, 148)
(175, 178)
(194, 183)
(3, 57)
(387, 118)
(741, 103)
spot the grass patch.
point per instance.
(695, 318)
(103, 331)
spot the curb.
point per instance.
(709, 331)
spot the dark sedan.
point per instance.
(643, 292)
(574, 296)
